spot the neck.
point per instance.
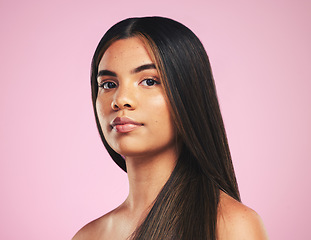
(147, 176)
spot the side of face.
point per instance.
(131, 105)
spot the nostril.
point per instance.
(115, 106)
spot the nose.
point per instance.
(124, 99)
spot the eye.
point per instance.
(149, 82)
(108, 85)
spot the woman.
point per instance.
(157, 113)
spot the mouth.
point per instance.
(124, 124)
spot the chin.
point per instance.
(130, 152)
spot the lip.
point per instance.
(124, 124)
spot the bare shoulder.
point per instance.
(237, 221)
(95, 229)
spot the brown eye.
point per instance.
(149, 82)
(108, 85)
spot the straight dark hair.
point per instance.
(186, 207)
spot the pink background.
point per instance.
(55, 174)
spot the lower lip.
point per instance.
(124, 128)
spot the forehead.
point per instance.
(125, 53)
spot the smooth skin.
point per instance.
(130, 87)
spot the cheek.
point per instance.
(102, 110)
(160, 110)
(102, 105)
(98, 107)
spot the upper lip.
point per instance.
(122, 121)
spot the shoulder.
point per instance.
(95, 229)
(237, 221)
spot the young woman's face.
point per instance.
(131, 105)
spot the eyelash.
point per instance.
(105, 85)
(148, 79)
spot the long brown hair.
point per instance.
(186, 207)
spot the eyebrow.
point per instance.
(143, 67)
(135, 70)
(106, 73)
